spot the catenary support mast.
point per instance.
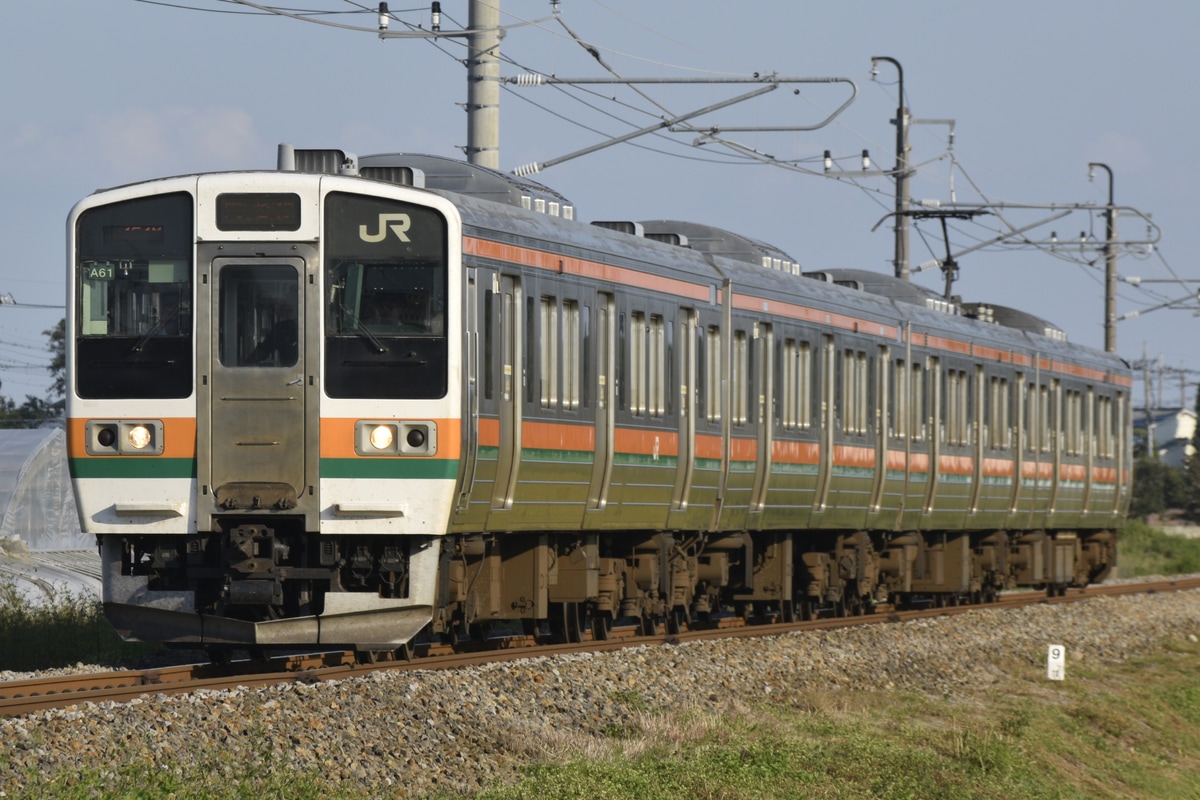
(483, 84)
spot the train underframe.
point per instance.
(260, 584)
(571, 585)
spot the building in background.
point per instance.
(1171, 431)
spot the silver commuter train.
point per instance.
(349, 402)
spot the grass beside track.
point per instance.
(1128, 730)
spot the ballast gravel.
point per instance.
(413, 733)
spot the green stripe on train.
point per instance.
(132, 467)
(435, 468)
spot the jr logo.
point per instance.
(399, 226)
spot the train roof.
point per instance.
(501, 203)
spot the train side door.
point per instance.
(605, 388)
(511, 389)
(933, 375)
(1019, 440)
(685, 469)
(828, 421)
(470, 390)
(256, 385)
(1119, 425)
(1056, 442)
(1089, 446)
(977, 431)
(763, 388)
(883, 425)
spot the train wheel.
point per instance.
(808, 610)
(602, 626)
(677, 621)
(572, 622)
(787, 611)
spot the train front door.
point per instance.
(256, 385)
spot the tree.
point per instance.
(37, 411)
(58, 359)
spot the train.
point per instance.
(372, 401)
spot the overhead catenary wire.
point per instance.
(734, 153)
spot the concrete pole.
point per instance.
(483, 84)
(1110, 265)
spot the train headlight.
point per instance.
(118, 437)
(382, 437)
(395, 437)
(139, 437)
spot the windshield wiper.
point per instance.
(158, 326)
(361, 329)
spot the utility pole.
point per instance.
(900, 261)
(1151, 448)
(1110, 262)
(483, 84)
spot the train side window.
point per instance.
(919, 412)
(586, 360)
(712, 382)
(571, 351)
(951, 412)
(657, 366)
(637, 363)
(548, 353)
(1104, 430)
(1017, 421)
(1089, 425)
(856, 391)
(796, 375)
(965, 409)
(863, 366)
(1044, 418)
(1032, 418)
(790, 384)
(622, 377)
(882, 396)
(489, 372)
(900, 413)
(1119, 412)
(740, 378)
(999, 418)
(1056, 417)
(1070, 425)
(804, 374)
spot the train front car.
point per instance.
(263, 412)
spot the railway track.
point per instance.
(26, 696)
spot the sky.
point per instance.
(100, 93)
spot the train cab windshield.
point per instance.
(385, 283)
(134, 299)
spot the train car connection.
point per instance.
(349, 402)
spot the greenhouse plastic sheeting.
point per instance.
(36, 502)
